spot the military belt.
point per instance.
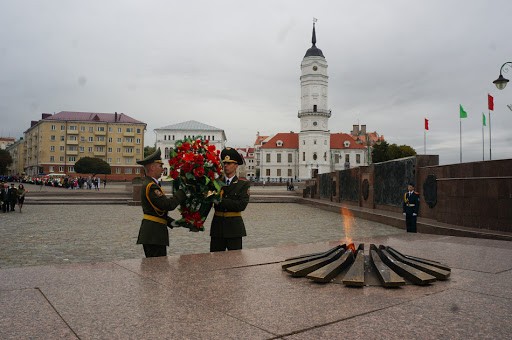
(228, 214)
(410, 205)
(155, 219)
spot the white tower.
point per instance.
(314, 136)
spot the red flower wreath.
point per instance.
(195, 169)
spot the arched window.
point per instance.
(166, 153)
(314, 108)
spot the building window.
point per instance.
(278, 158)
(71, 169)
(73, 128)
(52, 148)
(303, 156)
(128, 150)
(118, 149)
(315, 156)
(110, 129)
(303, 142)
(52, 158)
(82, 149)
(213, 137)
(137, 171)
(61, 159)
(72, 138)
(61, 169)
(52, 137)
(110, 139)
(63, 127)
(109, 150)
(53, 128)
(336, 158)
(314, 142)
(61, 138)
(82, 128)
(101, 128)
(50, 168)
(358, 158)
(118, 170)
(289, 172)
(91, 139)
(89, 149)
(347, 158)
(82, 139)
(61, 148)
(128, 171)
(268, 157)
(100, 138)
(138, 130)
(290, 158)
(71, 159)
(314, 108)
(165, 137)
(91, 129)
(278, 172)
(128, 161)
(267, 172)
(118, 160)
(129, 129)
(138, 140)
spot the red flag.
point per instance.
(426, 124)
(490, 102)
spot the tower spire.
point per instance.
(313, 38)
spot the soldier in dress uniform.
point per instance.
(153, 233)
(228, 226)
(411, 206)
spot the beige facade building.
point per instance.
(17, 152)
(56, 142)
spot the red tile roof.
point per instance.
(338, 141)
(93, 117)
(290, 141)
(260, 139)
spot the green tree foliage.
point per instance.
(5, 161)
(148, 150)
(92, 165)
(384, 152)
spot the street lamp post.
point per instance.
(501, 82)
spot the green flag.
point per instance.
(463, 114)
(483, 119)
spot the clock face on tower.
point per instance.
(315, 123)
(315, 68)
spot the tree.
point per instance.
(5, 161)
(385, 152)
(148, 150)
(92, 165)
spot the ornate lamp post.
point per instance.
(501, 82)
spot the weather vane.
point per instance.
(315, 20)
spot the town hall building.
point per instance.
(313, 150)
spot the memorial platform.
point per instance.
(246, 295)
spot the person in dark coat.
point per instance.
(411, 206)
(12, 196)
(153, 233)
(4, 197)
(228, 227)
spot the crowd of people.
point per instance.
(10, 196)
(67, 182)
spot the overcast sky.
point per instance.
(236, 65)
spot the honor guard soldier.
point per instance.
(153, 233)
(228, 226)
(411, 206)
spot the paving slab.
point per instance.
(450, 314)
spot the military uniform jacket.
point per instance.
(411, 203)
(235, 198)
(155, 203)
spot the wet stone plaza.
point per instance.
(58, 234)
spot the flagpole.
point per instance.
(490, 141)
(424, 142)
(483, 142)
(460, 137)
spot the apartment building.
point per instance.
(57, 141)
